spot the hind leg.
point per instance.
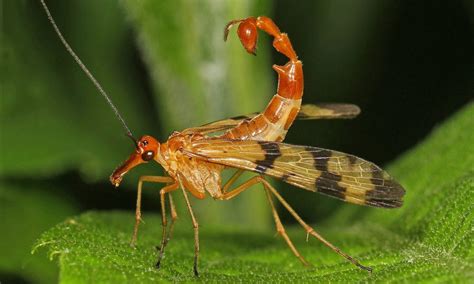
(310, 231)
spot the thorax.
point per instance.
(196, 175)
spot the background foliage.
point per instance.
(408, 65)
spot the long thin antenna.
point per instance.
(84, 68)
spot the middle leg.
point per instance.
(195, 227)
(165, 235)
(174, 215)
(281, 230)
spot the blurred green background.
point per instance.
(408, 65)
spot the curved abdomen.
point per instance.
(273, 123)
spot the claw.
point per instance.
(247, 32)
(196, 273)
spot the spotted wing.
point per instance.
(333, 173)
(307, 112)
(328, 111)
(220, 125)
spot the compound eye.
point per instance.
(148, 155)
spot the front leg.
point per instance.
(138, 212)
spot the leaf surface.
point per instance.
(430, 239)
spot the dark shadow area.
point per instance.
(87, 196)
(12, 279)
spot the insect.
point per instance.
(195, 157)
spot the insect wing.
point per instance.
(328, 111)
(220, 125)
(333, 173)
(307, 112)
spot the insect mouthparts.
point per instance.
(115, 180)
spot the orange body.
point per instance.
(194, 161)
(273, 123)
(199, 176)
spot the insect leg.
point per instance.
(232, 179)
(174, 215)
(310, 230)
(164, 235)
(281, 229)
(165, 240)
(196, 230)
(138, 212)
(244, 186)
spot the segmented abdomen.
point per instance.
(273, 123)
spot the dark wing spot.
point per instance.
(321, 158)
(386, 193)
(327, 182)
(352, 160)
(394, 203)
(272, 152)
(286, 176)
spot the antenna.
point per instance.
(84, 68)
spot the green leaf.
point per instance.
(27, 209)
(429, 239)
(52, 118)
